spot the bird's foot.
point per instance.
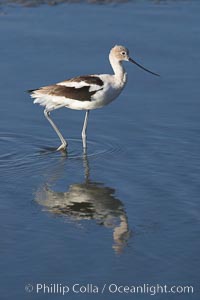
(62, 147)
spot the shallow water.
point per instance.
(128, 211)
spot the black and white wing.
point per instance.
(79, 88)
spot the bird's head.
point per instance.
(121, 53)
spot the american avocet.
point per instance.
(85, 92)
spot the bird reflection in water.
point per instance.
(88, 201)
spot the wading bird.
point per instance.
(85, 92)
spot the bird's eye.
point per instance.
(123, 53)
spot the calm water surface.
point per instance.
(128, 211)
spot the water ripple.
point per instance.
(19, 151)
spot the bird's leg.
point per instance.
(63, 141)
(84, 131)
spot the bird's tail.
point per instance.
(48, 101)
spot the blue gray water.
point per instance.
(128, 212)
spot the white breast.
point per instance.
(111, 89)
